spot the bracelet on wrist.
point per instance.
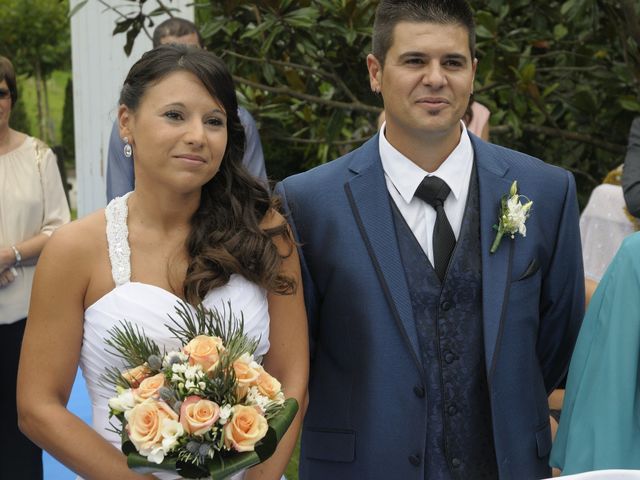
(16, 252)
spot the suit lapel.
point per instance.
(369, 200)
(493, 183)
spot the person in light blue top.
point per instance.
(120, 175)
(600, 424)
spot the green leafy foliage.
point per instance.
(560, 78)
(34, 35)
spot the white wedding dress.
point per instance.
(148, 307)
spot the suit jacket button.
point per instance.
(445, 306)
(449, 356)
(455, 462)
(419, 391)
(414, 460)
(452, 410)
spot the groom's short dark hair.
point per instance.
(445, 12)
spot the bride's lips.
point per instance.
(191, 158)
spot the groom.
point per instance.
(432, 358)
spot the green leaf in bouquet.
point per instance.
(127, 445)
(278, 426)
(140, 464)
(190, 470)
(221, 468)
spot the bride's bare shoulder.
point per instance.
(80, 238)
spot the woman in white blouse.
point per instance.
(32, 206)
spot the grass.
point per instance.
(55, 86)
(292, 469)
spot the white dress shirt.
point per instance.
(403, 178)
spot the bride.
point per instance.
(197, 227)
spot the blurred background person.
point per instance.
(631, 172)
(604, 223)
(612, 213)
(476, 118)
(599, 428)
(32, 206)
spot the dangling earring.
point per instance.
(127, 148)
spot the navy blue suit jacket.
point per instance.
(366, 418)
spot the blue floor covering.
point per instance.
(80, 405)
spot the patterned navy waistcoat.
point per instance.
(448, 320)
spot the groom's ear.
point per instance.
(375, 73)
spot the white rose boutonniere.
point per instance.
(513, 215)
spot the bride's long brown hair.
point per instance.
(225, 236)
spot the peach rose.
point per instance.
(145, 423)
(246, 428)
(149, 387)
(135, 375)
(268, 385)
(204, 351)
(246, 375)
(198, 415)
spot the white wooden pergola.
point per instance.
(99, 66)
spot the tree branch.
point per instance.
(305, 68)
(571, 69)
(309, 98)
(122, 15)
(317, 141)
(554, 132)
(279, 63)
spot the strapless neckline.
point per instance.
(143, 285)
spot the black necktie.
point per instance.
(434, 191)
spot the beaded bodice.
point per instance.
(116, 214)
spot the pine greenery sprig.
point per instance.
(113, 428)
(220, 387)
(131, 344)
(113, 377)
(212, 322)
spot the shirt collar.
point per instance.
(406, 176)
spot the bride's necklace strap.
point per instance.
(118, 239)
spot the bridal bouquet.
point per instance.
(207, 409)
